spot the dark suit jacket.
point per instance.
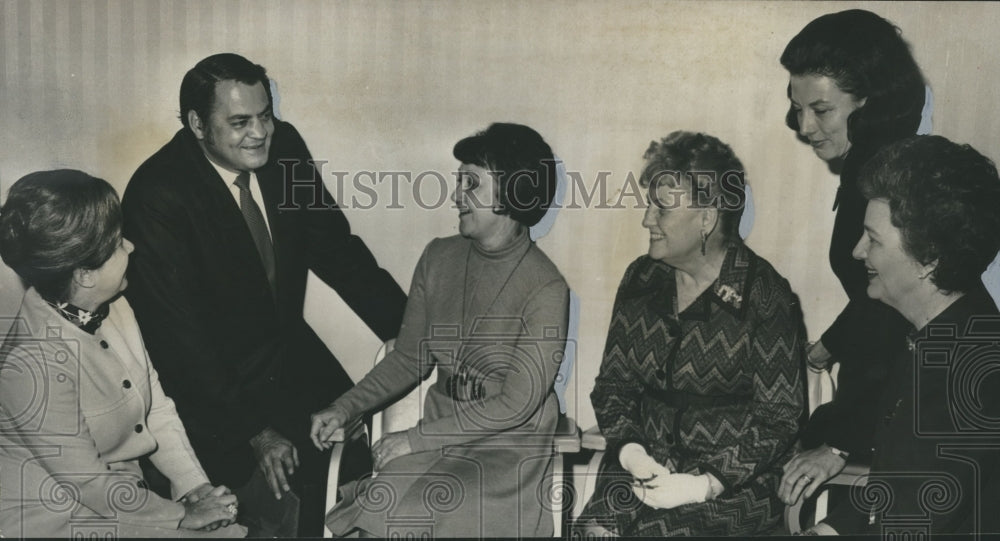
(234, 358)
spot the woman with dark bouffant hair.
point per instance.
(700, 392)
(932, 225)
(80, 403)
(490, 311)
(854, 87)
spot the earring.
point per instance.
(704, 239)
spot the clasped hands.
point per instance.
(658, 487)
(387, 448)
(208, 508)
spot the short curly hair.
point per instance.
(867, 57)
(55, 222)
(522, 164)
(945, 200)
(704, 161)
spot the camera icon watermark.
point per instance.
(35, 371)
(964, 366)
(496, 374)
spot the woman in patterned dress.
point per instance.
(700, 392)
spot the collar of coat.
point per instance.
(657, 281)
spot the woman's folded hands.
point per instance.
(656, 486)
(208, 508)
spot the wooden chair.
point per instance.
(822, 386)
(405, 413)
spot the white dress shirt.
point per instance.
(230, 178)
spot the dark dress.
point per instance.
(863, 338)
(715, 389)
(937, 443)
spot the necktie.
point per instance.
(258, 227)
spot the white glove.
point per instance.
(673, 490)
(634, 458)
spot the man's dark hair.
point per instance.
(198, 86)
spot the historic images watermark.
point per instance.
(429, 190)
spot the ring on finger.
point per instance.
(232, 508)
(807, 477)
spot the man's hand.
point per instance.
(277, 458)
(673, 490)
(805, 472)
(634, 458)
(324, 424)
(391, 446)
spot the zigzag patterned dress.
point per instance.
(717, 388)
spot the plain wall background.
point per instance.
(391, 86)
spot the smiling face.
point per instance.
(475, 196)
(822, 110)
(674, 225)
(237, 134)
(893, 275)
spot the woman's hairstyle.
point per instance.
(706, 166)
(945, 200)
(198, 85)
(522, 164)
(55, 222)
(867, 57)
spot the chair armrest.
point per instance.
(567, 436)
(851, 475)
(593, 439)
(354, 431)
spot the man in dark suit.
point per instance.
(224, 236)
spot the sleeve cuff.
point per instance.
(727, 485)
(613, 447)
(418, 442)
(180, 487)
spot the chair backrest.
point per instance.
(404, 413)
(821, 386)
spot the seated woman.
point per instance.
(79, 400)
(931, 227)
(490, 311)
(700, 392)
